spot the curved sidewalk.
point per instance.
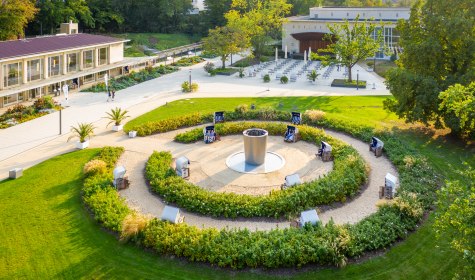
(139, 196)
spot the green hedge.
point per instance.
(100, 195)
(348, 175)
(323, 245)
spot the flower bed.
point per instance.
(133, 78)
(20, 113)
(188, 61)
(324, 245)
(348, 175)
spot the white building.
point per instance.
(198, 6)
(303, 32)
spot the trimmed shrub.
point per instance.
(100, 195)
(344, 181)
(266, 78)
(294, 247)
(313, 116)
(95, 167)
(187, 87)
(284, 80)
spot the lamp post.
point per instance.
(190, 78)
(357, 79)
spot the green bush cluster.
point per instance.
(21, 113)
(324, 245)
(344, 181)
(133, 78)
(188, 61)
(100, 195)
(161, 126)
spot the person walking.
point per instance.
(113, 95)
(108, 96)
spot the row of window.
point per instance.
(12, 73)
(50, 89)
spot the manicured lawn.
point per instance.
(46, 232)
(359, 109)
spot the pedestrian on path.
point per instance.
(108, 96)
(113, 95)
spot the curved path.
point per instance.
(139, 197)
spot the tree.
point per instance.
(456, 218)
(225, 41)
(106, 14)
(215, 11)
(439, 51)
(302, 7)
(459, 102)
(351, 43)
(14, 16)
(54, 12)
(261, 20)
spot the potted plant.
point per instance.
(116, 116)
(84, 131)
(266, 78)
(241, 72)
(209, 68)
(284, 79)
(313, 76)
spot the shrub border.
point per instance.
(330, 244)
(348, 175)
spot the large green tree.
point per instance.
(106, 14)
(14, 16)
(456, 218)
(225, 41)
(351, 43)
(459, 102)
(54, 12)
(261, 20)
(302, 7)
(439, 50)
(215, 11)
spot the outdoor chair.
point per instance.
(292, 134)
(210, 135)
(325, 152)
(376, 146)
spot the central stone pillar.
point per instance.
(255, 146)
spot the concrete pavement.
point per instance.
(29, 143)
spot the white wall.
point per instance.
(116, 53)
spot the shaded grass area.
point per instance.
(47, 233)
(159, 41)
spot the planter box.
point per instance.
(83, 145)
(15, 173)
(342, 83)
(117, 127)
(132, 134)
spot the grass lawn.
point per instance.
(47, 233)
(382, 66)
(160, 41)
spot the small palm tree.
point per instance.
(313, 76)
(116, 116)
(82, 131)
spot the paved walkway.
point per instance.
(139, 197)
(32, 142)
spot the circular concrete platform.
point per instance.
(273, 162)
(210, 171)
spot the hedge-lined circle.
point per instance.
(330, 244)
(348, 175)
